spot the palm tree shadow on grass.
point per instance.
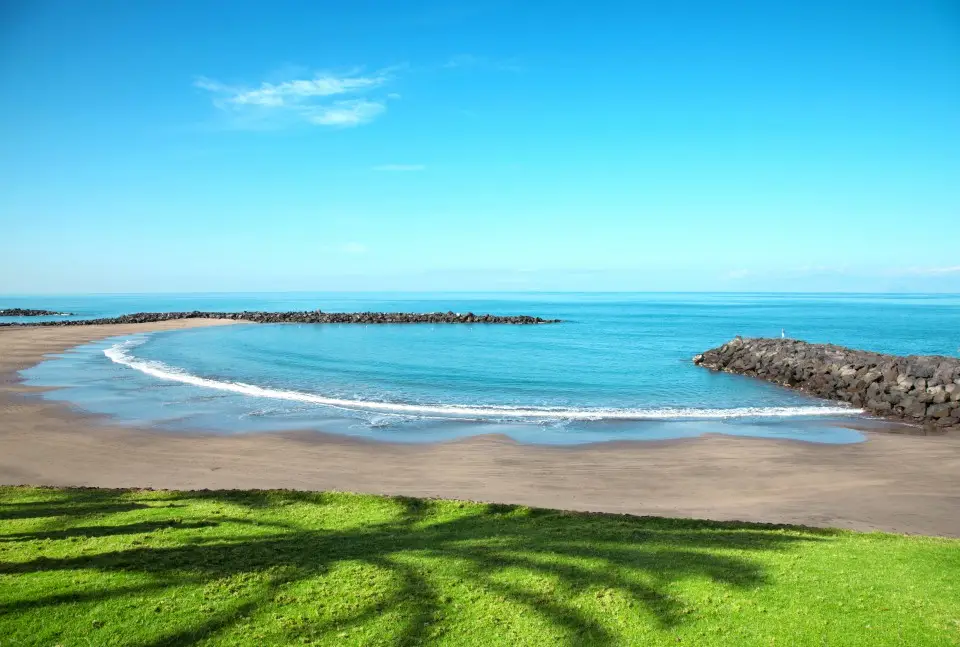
(638, 558)
(76, 503)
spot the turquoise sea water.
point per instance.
(617, 368)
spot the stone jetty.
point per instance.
(921, 389)
(306, 317)
(27, 312)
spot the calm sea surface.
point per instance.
(618, 368)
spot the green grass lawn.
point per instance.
(116, 567)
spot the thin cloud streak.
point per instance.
(301, 100)
(953, 269)
(296, 91)
(346, 113)
(327, 99)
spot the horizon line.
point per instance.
(495, 291)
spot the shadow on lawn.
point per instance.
(81, 502)
(636, 557)
(86, 532)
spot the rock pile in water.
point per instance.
(307, 317)
(923, 389)
(26, 312)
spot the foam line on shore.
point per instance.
(120, 354)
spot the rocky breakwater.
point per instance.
(27, 312)
(922, 389)
(306, 317)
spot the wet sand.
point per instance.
(892, 482)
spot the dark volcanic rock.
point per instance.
(307, 317)
(918, 388)
(25, 312)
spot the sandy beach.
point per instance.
(891, 482)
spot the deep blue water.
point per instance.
(617, 368)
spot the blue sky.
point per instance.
(188, 145)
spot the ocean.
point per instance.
(617, 368)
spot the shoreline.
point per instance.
(893, 482)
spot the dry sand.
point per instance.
(891, 482)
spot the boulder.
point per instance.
(879, 405)
(938, 394)
(871, 376)
(938, 411)
(848, 371)
(913, 408)
(953, 392)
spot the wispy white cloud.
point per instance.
(304, 100)
(331, 99)
(269, 94)
(354, 248)
(738, 274)
(346, 113)
(952, 269)
(400, 167)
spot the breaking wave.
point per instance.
(121, 354)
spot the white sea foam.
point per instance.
(120, 353)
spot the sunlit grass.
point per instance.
(112, 567)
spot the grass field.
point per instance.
(111, 567)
